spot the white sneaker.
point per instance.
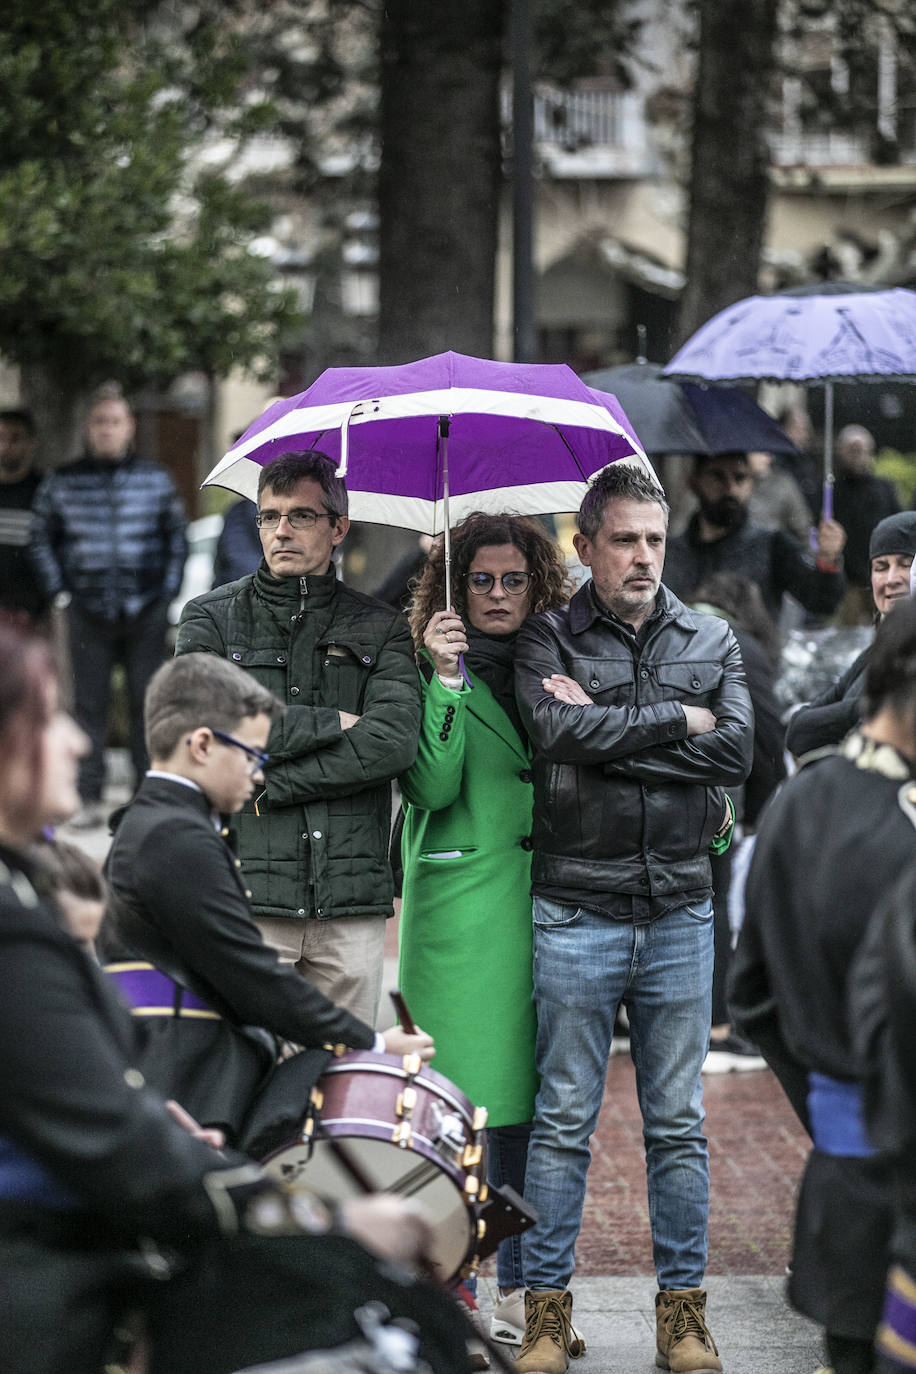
(507, 1322)
(732, 1055)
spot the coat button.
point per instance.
(594, 683)
(525, 775)
(449, 711)
(644, 672)
(696, 683)
(367, 658)
(237, 657)
(248, 893)
(305, 834)
(316, 834)
(301, 911)
(225, 832)
(294, 691)
(281, 658)
(134, 1078)
(238, 863)
(319, 911)
(527, 843)
(443, 735)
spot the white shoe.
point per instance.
(732, 1055)
(507, 1322)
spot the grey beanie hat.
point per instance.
(895, 534)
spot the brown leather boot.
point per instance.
(682, 1337)
(548, 1341)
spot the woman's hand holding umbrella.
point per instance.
(445, 639)
(831, 537)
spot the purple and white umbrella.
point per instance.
(826, 333)
(425, 443)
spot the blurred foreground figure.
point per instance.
(107, 1205)
(830, 848)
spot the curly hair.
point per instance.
(550, 584)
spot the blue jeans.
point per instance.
(585, 965)
(507, 1156)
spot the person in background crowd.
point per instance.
(20, 589)
(465, 932)
(106, 1203)
(831, 847)
(722, 538)
(827, 719)
(776, 501)
(860, 502)
(639, 715)
(738, 601)
(238, 549)
(795, 423)
(109, 544)
(315, 840)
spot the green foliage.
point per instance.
(120, 253)
(899, 468)
(588, 38)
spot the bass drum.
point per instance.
(408, 1131)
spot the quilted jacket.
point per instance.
(111, 534)
(315, 843)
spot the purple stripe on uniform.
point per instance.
(900, 1316)
(147, 987)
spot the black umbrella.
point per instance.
(683, 417)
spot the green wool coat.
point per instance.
(465, 932)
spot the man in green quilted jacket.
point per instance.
(314, 843)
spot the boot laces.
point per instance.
(548, 1317)
(687, 1319)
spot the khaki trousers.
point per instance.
(342, 958)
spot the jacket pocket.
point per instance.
(694, 683)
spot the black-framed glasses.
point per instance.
(514, 583)
(299, 519)
(258, 758)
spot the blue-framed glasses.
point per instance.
(258, 758)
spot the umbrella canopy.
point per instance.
(424, 444)
(830, 332)
(682, 417)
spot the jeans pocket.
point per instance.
(699, 911)
(548, 915)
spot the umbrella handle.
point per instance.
(827, 504)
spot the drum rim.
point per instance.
(386, 1063)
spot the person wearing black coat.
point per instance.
(830, 848)
(187, 952)
(721, 538)
(831, 716)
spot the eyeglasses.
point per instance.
(512, 582)
(298, 519)
(258, 758)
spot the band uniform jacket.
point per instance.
(180, 903)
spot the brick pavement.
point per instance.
(757, 1151)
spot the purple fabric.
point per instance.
(835, 334)
(897, 1331)
(486, 451)
(147, 988)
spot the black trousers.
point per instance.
(96, 647)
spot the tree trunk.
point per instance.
(57, 410)
(729, 180)
(439, 178)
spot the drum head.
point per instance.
(403, 1172)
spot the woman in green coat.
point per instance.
(466, 918)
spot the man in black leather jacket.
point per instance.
(640, 715)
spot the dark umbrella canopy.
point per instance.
(683, 417)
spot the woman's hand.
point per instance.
(445, 639)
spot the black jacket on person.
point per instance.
(829, 717)
(181, 904)
(317, 846)
(71, 1093)
(111, 534)
(771, 558)
(19, 586)
(860, 502)
(624, 801)
(769, 766)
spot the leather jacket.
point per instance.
(624, 801)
